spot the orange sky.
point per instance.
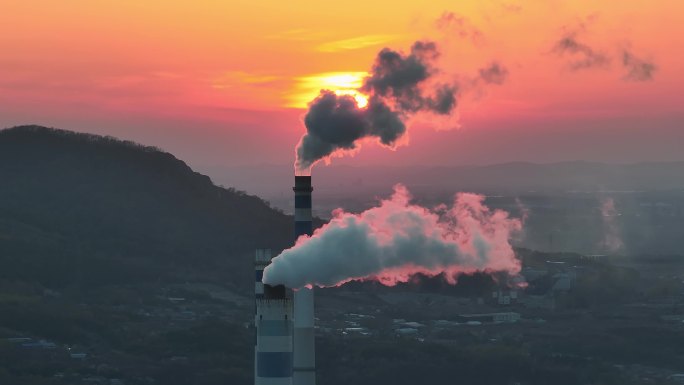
(209, 80)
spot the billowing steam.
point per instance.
(396, 240)
(399, 85)
(612, 241)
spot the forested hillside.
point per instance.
(88, 210)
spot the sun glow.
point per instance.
(341, 83)
(361, 99)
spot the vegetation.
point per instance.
(89, 210)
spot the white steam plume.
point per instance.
(612, 241)
(396, 240)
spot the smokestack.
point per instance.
(273, 322)
(304, 344)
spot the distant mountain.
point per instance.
(563, 202)
(81, 209)
(506, 178)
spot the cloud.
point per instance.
(355, 43)
(231, 79)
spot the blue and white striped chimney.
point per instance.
(261, 260)
(273, 356)
(304, 339)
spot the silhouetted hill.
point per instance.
(85, 209)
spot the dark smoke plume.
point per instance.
(335, 122)
(583, 55)
(638, 70)
(399, 85)
(495, 73)
(452, 23)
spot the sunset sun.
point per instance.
(341, 83)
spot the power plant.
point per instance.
(284, 351)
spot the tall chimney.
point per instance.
(304, 344)
(273, 321)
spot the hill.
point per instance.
(87, 210)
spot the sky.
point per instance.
(226, 83)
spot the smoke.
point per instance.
(394, 241)
(638, 70)
(523, 209)
(452, 23)
(583, 56)
(399, 86)
(495, 73)
(612, 241)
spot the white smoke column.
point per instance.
(612, 241)
(396, 240)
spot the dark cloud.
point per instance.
(452, 23)
(398, 86)
(581, 55)
(495, 73)
(638, 69)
